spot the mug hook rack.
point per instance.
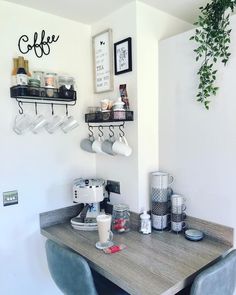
(111, 128)
(36, 108)
(100, 130)
(36, 103)
(20, 105)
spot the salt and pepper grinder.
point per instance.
(145, 223)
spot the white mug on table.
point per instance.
(177, 200)
(160, 221)
(161, 180)
(178, 226)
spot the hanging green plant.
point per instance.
(213, 38)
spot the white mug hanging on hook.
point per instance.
(97, 144)
(121, 146)
(108, 143)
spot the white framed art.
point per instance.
(103, 61)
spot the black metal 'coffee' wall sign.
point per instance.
(40, 44)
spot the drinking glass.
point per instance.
(39, 122)
(69, 124)
(54, 124)
(104, 231)
(22, 123)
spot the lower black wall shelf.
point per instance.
(109, 116)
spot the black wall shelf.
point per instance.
(110, 116)
(43, 95)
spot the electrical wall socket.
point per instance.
(114, 186)
(10, 198)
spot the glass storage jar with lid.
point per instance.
(39, 75)
(66, 86)
(120, 218)
(66, 81)
(50, 80)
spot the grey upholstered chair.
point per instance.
(72, 274)
(218, 279)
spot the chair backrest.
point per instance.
(218, 279)
(69, 270)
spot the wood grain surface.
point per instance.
(59, 215)
(219, 232)
(160, 263)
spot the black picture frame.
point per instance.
(123, 56)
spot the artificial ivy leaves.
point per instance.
(212, 37)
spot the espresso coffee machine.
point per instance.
(89, 192)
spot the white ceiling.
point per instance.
(187, 10)
(90, 11)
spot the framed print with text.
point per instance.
(103, 61)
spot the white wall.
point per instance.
(152, 26)
(198, 146)
(146, 26)
(122, 169)
(41, 167)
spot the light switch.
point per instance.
(10, 198)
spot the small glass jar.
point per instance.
(120, 218)
(119, 115)
(66, 81)
(50, 80)
(39, 75)
(34, 91)
(66, 86)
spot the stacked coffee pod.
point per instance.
(161, 193)
(177, 213)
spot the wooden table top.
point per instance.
(160, 263)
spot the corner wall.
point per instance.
(118, 168)
(198, 146)
(152, 26)
(146, 25)
(41, 167)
